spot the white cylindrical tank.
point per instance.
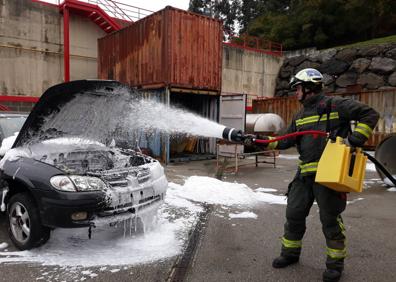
(264, 123)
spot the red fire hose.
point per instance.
(315, 133)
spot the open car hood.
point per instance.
(85, 108)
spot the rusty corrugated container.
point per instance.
(171, 47)
(383, 101)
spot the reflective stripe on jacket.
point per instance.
(341, 112)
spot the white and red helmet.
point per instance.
(310, 79)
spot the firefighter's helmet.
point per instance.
(310, 79)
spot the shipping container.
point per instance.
(154, 142)
(170, 48)
(383, 101)
(187, 147)
(178, 146)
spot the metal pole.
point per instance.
(66, 44)
(167, 137)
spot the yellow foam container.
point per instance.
(338, 171)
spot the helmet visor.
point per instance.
(294, 82)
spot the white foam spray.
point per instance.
(123, 115)
(154, 115)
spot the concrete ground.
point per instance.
(243, 249)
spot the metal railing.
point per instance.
(114, 9)
(120, 10)
(255, 43)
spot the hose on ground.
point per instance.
(381, 167)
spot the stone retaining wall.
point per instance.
(364, 68)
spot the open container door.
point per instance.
(233, 115)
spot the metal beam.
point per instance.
(66, 43)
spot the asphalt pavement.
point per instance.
(243, 249)
(224, 249)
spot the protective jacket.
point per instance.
(331, 114)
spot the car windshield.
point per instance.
(10, 125)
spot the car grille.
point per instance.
(143, 175)
(130, 190)
(119, 177)
(143, 203)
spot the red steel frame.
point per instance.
(23, 99)
(65, 7)
(66, 43)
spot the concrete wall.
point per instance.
(300, 52)
(31, 47)
(84, 36)
(31, 53)
(249, 72)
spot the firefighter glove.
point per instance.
(249, 139)
(355, 140)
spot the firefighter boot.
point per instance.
(283, 261)
(332, 275)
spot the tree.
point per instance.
(304, 23)
(323, 23)
(249, 10)
(225, 10)
(197, 6)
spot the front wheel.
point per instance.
(25, 229)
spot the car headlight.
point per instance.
(156, 170)
(77, 183)
(63, 183)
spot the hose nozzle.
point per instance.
(233, 135)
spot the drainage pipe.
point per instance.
(385, 161)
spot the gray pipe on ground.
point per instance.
(385, 153)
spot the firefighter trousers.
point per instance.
(303, 190)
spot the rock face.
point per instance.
(382, 65)
(360, 65)
(369, 68)
(392, 79)
(391, 53)
(347, 54)
(348, 78)
(334, 67)
(371, 81)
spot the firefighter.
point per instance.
(334, 115)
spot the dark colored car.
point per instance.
(10, 123)
(66, 170)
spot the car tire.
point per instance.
(24, 224)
